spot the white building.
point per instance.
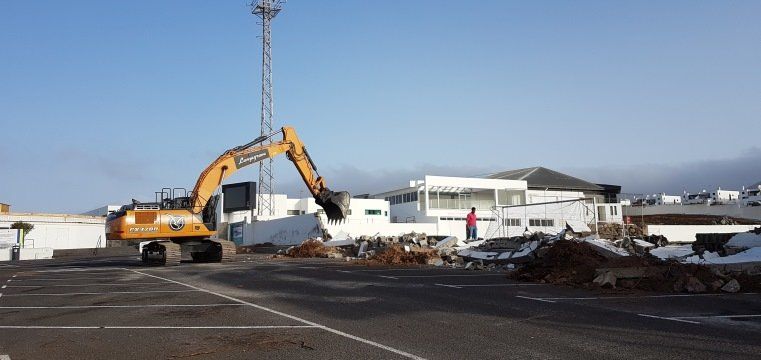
(717, 197)
(361, 211)
(663, 199)
(702, 197)
(506, 203)
(720, 196)
(60, 231)
(751, 196)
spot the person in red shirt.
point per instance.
(470, 225)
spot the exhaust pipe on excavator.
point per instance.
(335, 204)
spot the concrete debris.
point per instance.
(446, 243)
(731, 287)
(606, 279)
(629, 263)
(744, 240)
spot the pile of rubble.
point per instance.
(644, 263)
(412, 248)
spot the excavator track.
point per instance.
(228, 250)
(172, 254)
(216, 251)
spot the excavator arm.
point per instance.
(335, 204)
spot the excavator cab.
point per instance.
(335, 204)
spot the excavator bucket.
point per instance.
(335, 204)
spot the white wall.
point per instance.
(391, 229)
(291, 230)
(60, 231)
(686, 233)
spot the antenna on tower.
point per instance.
(266, 10)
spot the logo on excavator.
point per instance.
(248, 159)
(176, 223)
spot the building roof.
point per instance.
(542, 178)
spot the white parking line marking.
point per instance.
(716, 316)
(4, 286)
(668, 318)
(447, 275)
(459, 286)
(116, 306)
(75, 285)
(5, 357)
(334, 331)
(14, 275)
(508, 284)
(72, 279)
(535, 299)
(106, 293)
(100, 270)
(160, 327)
(450, 286)
(640, 297)
(388, 277)
(376, 270)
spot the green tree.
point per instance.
(27, 227)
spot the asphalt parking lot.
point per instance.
(258, 307)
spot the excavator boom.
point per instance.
(166, 219)
(335, 204)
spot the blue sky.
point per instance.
(102, 101)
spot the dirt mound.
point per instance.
(311, 248)
(396, 255)
(566, 262)
(577, 264)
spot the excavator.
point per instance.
(181, 220)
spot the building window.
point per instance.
(293, 212)
(541, 222)
(372, 212)
(512, 222)
(385, 213)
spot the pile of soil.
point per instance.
(395, 255)
(575, 263)
(311, 248)
(566, 262)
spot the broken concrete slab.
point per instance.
(340, 242)
(606, 279)
(362, 249)
(605, 248)
(436, 262)
(731, 287)
(446, 242)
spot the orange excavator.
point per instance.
(174, 223)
